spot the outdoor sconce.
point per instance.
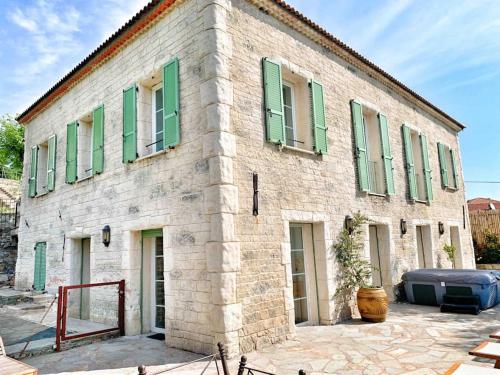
(402, 225)
(255, 209)
(441, 227)
(349, 223)
(106, 235)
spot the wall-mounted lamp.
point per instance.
(441, 227)
(106, 235)
(402, 225)
(255, 209)
(349, 224)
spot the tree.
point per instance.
(11, 147)
(489, 252)
(354, 269)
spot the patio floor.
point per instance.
(414, 340)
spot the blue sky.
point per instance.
(446, 50)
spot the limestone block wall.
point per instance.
(8, 249)
(168, 190)
(300, 187)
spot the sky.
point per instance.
(446, 50)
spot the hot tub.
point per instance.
(427, 286)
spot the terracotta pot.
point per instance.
(372, 304)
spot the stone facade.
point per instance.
(227, 273)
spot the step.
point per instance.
(462, 300)
(25, 307)
(463, 309)
(9, 296)
(42, 299)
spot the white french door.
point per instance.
(303, 274)
(157, 287)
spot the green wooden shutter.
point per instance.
(427, 168)
(98, 140)
(318, 118)
(71, 152)
(171, 123)
(454, 167)
(360, 144)
(410, 164)
(442, 165)
(40, 266)
(51, 163)
(129, 124)
(33, 171)
(273, 101)
(386, 154)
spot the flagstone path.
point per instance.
(415, 340)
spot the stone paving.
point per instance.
(417, 340)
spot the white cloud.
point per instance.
(417, 41)
(21, 20)
(51, 34)
(49, 37)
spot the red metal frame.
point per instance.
(62, 304)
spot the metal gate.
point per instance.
(62, 312)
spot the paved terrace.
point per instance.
(414, 340)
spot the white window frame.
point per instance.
(421, 195)
(42, 190)
(293, 105)
(372, 184)
(449, 167)
(80, 123)
(154, 89)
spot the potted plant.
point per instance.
(450, 251)
(355, 272)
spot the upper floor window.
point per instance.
(448, 166)
(372, 150)
(295, 111)
(151, 113)
(42, 167)
(85, 146)
(417, 165)
(289, 111)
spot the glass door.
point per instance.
(375, 256)
(299, 275)
(420, 248)
(157, 287)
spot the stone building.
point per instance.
(224, 142)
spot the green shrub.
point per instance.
(489, 252)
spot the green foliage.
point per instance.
(11, 147)
(489, 253)
(450, 251)
(354, 269)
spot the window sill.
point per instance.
(296, 149)
(377, 194)
(420, 201)
(84, 179)
(451, 189)
(41, 194)
(145, 157)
